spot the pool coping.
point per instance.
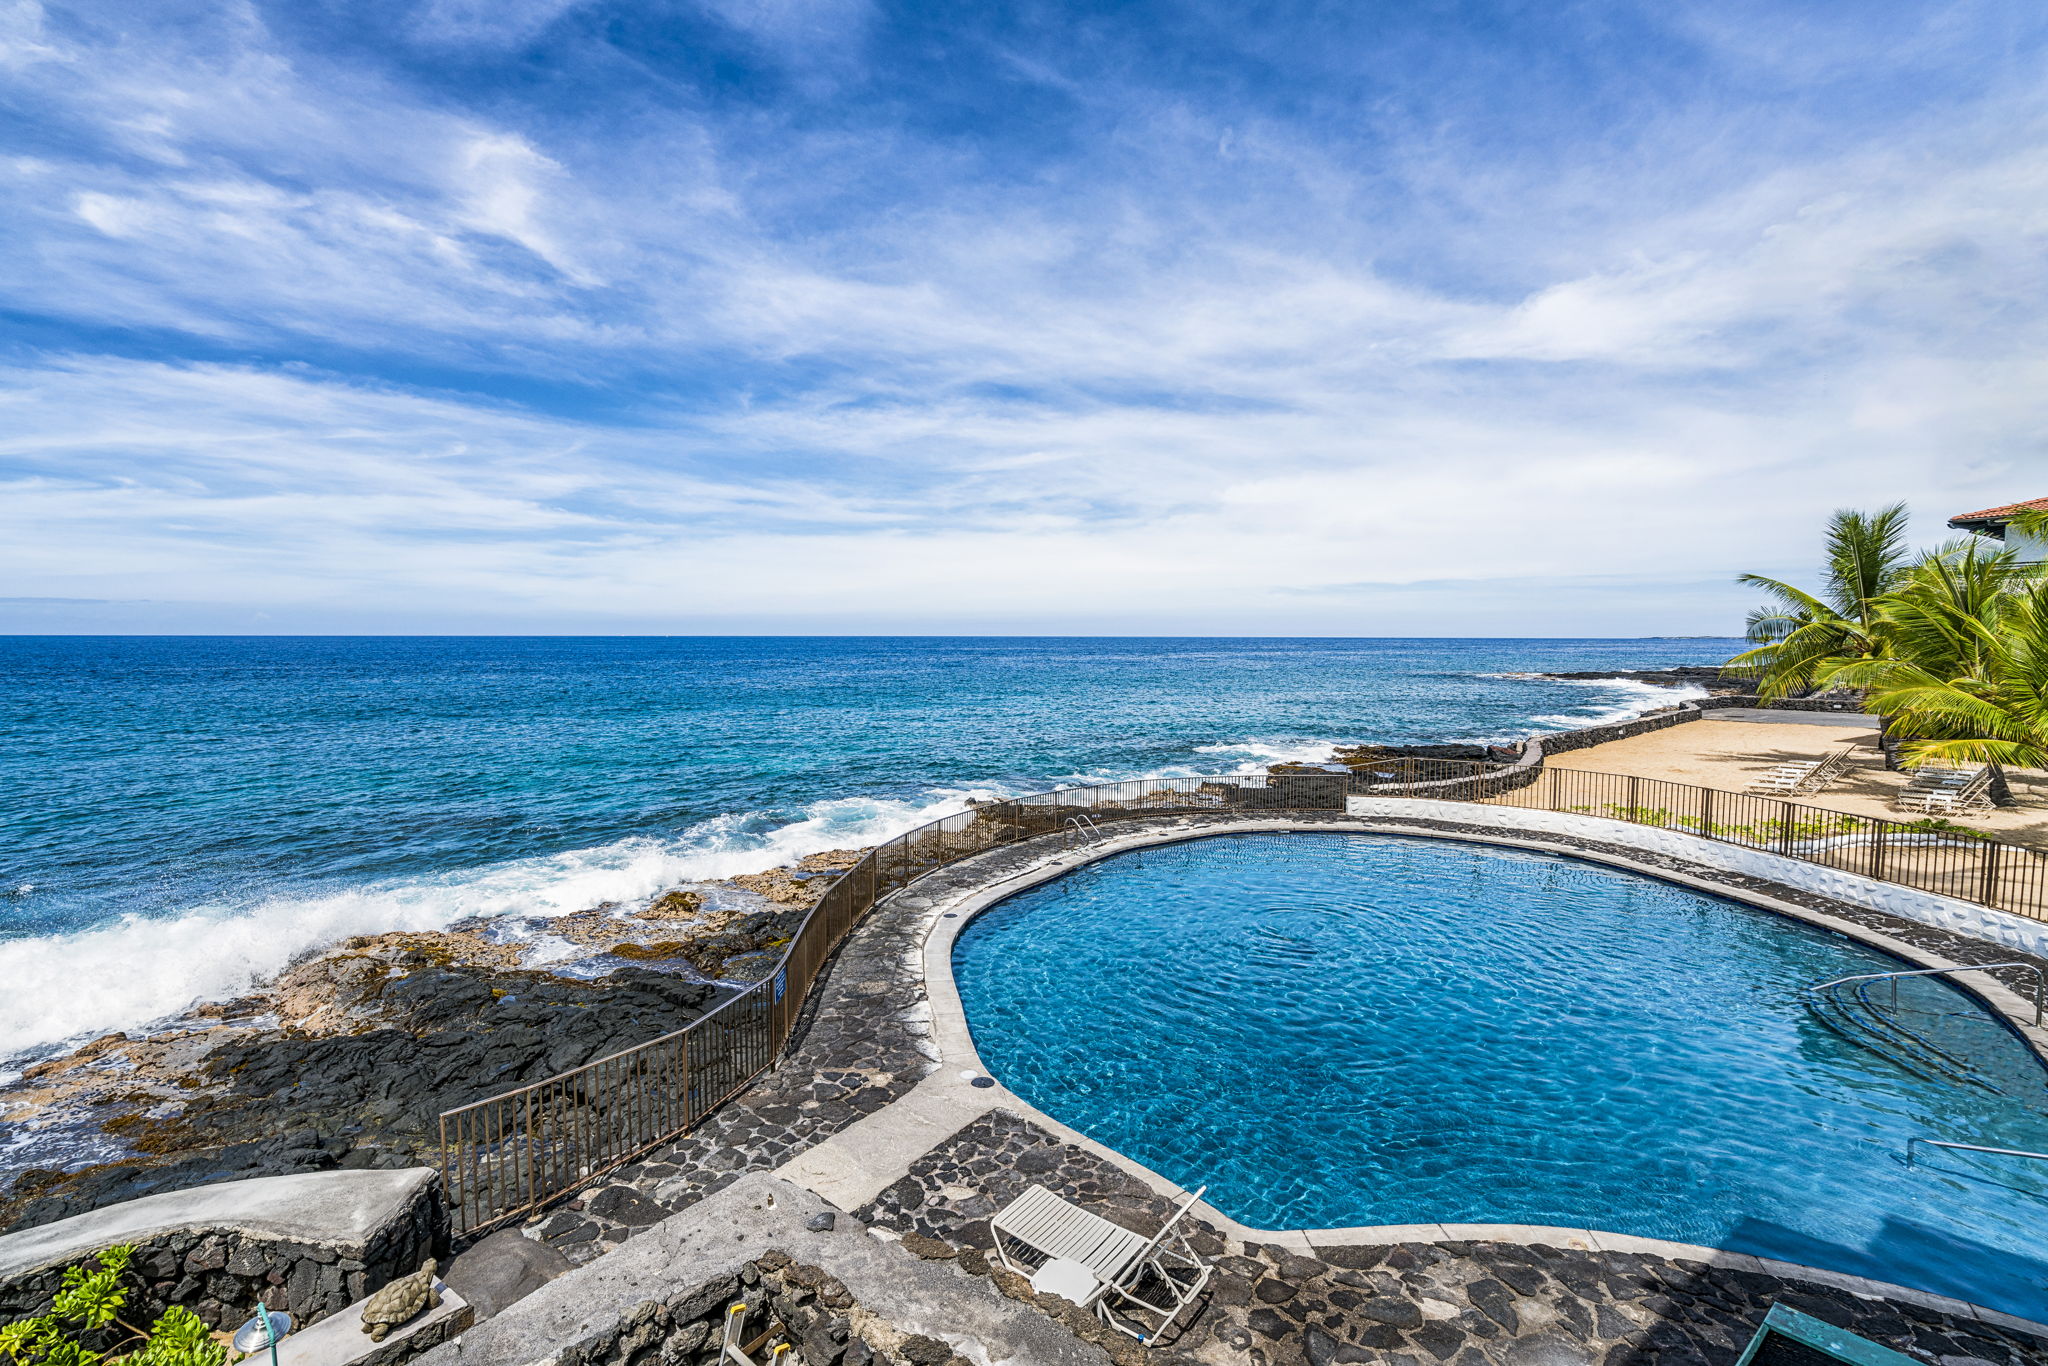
(854, 1171)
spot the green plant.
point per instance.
(1799, 635)
(1934, 825)
(1994, 711)
(83, 1326)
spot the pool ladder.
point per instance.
(2040, 981)
(1082, 828)
(1855, 1016)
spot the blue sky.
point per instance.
(1385, 317)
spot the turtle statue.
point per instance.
(401, 1301)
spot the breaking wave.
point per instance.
(1259, 754)
(138, 970)
(1628, 699)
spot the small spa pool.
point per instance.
(1340, 1030)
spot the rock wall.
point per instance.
(1621, 730)
(219, 1273)
(1822, 702)
(824, 1323)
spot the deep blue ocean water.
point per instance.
(181, 816)
(1340, 1030)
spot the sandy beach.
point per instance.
(1727, 751)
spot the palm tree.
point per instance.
(1801, 636)
(1966, 664)
(1995, 710)
(1941, 612)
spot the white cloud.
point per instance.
(502, 178)
(1205, 385)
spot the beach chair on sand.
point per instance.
(1807, 776)
(1946, 791)
(1824, 773)
(1106, 1267)
(1784, 779)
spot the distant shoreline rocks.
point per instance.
(1712, 677)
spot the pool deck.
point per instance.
(874, 1111)
(1731, 749)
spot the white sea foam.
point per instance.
(139, 970)
(1634, 699)
(1260, 754)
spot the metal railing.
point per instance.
(511, 1153)
(2040, 980)
(1969, 1148)
(1930, 855)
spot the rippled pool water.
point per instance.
(1337, 1030)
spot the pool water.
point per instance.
(1341, 1030)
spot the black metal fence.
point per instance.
(1931, 855)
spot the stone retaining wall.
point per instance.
(220, 1273)
(824, 1324)
(1566, 741)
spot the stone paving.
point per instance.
(1409, 1304)
(866, 1043)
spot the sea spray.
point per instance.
(1634, 699)
(140, 970)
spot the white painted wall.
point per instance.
(2029, 547)
(1963, 917)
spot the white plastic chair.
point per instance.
(1054, 1242)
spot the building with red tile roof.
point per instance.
(1997, 524)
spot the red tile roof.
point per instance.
(1999, 514)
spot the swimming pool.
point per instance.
(1333, 1030)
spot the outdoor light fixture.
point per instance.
(264, 1328)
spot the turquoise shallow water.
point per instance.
(1334, 1030)
(179, 816)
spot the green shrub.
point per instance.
(84, 1326)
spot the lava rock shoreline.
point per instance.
(349, 1057)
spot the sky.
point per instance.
(1384, 317)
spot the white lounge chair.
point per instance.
(1808, 776)
(1783, 779)
(1067, 1251)
(1946, 791)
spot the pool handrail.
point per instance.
(1083, 826)
(2040, 981)
(1968, 1148)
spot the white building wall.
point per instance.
(2029, 547)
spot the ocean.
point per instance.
(181, 817)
